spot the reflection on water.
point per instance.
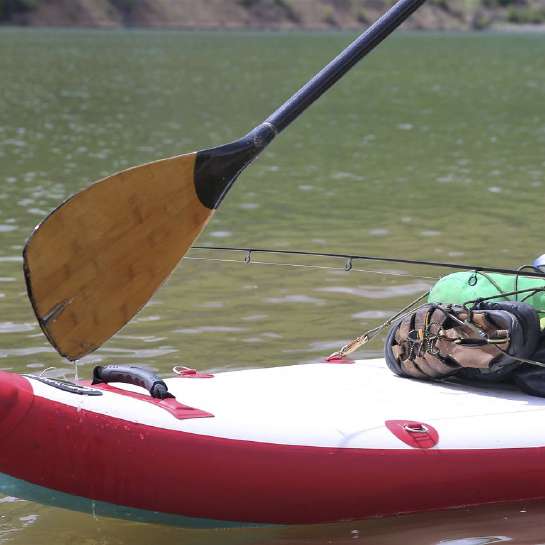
(434, 150)
(516, 524)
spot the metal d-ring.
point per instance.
(348, 264)
(248, 258)
(420, 429)
(180, 369)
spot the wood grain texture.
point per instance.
(99, 257)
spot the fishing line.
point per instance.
(320, 267)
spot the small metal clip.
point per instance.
(348, 265)
(416, 428)
(248, 258)
(181, 369)
(472, 281)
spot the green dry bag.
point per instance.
(462, 287)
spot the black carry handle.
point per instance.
(131, 374)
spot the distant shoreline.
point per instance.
(499, 29)
(270, 15)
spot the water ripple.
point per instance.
(14, 327)
(305, 299)
(371, 315)
(143, 354)
(254, 317)
(377, 292)
(209, 329)
(30, 351)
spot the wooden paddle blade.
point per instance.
(95, 261)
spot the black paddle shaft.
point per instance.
(331, 73)
(217, 169)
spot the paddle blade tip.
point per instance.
(97, 259)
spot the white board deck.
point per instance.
(333, 405)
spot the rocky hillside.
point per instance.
(437, 14)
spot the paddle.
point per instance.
(95, 261)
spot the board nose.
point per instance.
(15, 400)
(8, 396)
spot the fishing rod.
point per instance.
(349, 258)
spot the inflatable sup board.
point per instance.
(301, 444)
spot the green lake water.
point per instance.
(432, 148)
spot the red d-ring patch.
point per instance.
(413, 433)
